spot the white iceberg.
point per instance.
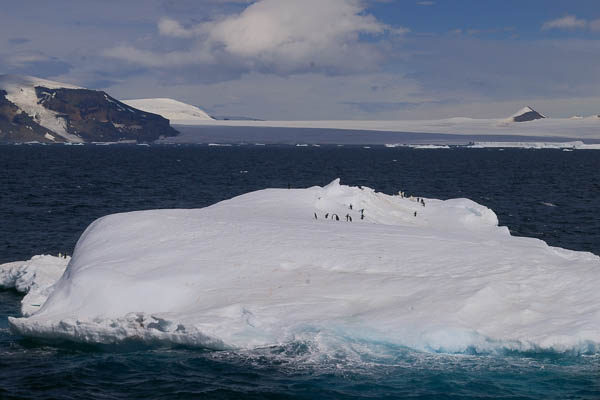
(260, 270)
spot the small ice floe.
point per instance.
(34, 277)
(547, 204)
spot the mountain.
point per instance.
(171, 109)
(526, 114)
(33, 109)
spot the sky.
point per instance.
(318, 59)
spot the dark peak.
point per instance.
(526, 114)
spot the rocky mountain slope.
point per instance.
(33, 109)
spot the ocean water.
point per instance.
(49, 194)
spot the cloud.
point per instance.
(152, 59)
(281, 36)
(18, 41)
(507, 29)
(294, 97)
(170, 27)
(502, 69)
(33, 63)
(380, 107)
(566, 22)
(425, 3)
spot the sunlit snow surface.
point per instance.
(170, 109)
(259, 270)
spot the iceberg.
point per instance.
(276, 266)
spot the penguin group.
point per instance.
(335, 217)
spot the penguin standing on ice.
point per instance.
(315, 215)
(415, 213)
(326, 215)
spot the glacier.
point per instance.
(170, 109)
(274, 266)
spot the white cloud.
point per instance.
(595, 25)
(170, 27)
(151, 59)
(282, 36)
(566, 22)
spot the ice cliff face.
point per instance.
(33, 109)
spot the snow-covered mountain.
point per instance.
(172, 110)
(34, 109)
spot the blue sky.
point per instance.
(319, 59)
(526, 17)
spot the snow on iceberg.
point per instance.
(34, 277)
(260, 270)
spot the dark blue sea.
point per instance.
(49, 194)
